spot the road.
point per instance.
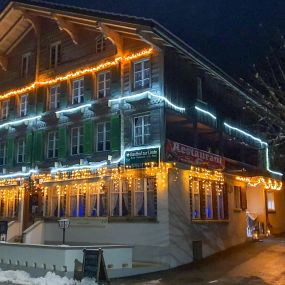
(254, 263)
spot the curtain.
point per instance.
(115, 204)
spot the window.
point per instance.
(76, 140)
(3, 153)
(23, 105)
(55, 54)
(54, 97)
(21, 151)
(25, 64)
(4, 110)
(103, 84)
(103, 136)
(141, 130)
(52, 146)
(142, 74)
(270, 201)
(209, 200)
(77, 202)
(237, 197)
(100, 44)
(196, 214)
(119, 198)
(98, 200)
(78, 91)
(144, 197)
(220, 205)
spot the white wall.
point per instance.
(35, 233)
(215, 236)
(14, 230)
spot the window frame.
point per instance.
(270, 203)
(55, 140)
(196, 181)
(57, 59)
(144, 136)
(79, 96)
(79, 140)
(5, 103)
(100, 44)
(143, 71)
(23, 147)
(56, 97)
(25, 69)
(23, 104)
(106, 82)
(4, 157)
(105, 132)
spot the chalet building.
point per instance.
(117, 124)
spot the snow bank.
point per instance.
(23, 278)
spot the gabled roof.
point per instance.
(13, 28)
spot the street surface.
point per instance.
(258, 263)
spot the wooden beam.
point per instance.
(4, 62)
(113, 36)
(148, 39)
(34, 21)
(68, 27)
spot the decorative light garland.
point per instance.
(206, 112)
(71, 110)
(17, 122)
(74, 74)
(269, 184)
(150, 94)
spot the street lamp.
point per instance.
(63, 224)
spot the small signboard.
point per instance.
(183, 153)
(139, 158)
(94, 266)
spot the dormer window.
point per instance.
(55, 54)
(100, 44)
(25, 64)
(23, 111)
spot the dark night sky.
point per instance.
(232, 33)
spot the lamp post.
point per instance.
(63, 224)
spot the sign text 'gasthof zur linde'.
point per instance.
(182, 153)
(139, 158)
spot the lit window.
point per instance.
(52, 147)
(103, 136)
(237, 197)
(55, 54)
(103, 84)
(209, 200)
(3, 153)
(23, 105)
(98, 200)
(25, 64)
(76, 140)
(54, 97)
(77, 202)
(100, 44)
(144, 197)
(119, 198)
(196, 214)
(21, 151)
(4, 110)
(141, 130)
(270, 201)
(142, 74)
(220, 203)
(78, 91)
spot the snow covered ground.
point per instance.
(23, 278)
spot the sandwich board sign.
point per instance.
(94, 266)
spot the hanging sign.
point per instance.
(139, 158)
(182, 153)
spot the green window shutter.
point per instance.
(39, 146)
(116, 133)
(62, 144)
(88, 87)
(63, 96)
(10, 151)
(88, 131)
(116, 80)
(29, 148)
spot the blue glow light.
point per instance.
(206, 112)
(71, 110)
(17, 122)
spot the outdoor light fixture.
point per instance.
(63, 224)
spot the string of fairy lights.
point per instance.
(268, 183)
